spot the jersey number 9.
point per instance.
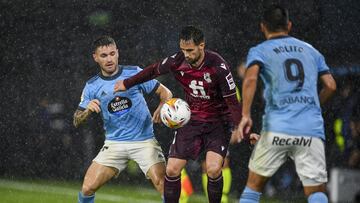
(294, 72)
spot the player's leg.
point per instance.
(226, 172)
(110, 161)
(311, 167)
(316, 194)
(148, 155)
(265, 160)
(254, 185)
(157, 176)
(172, 185)
(96, 176)
(216, 139)
(214, 162)
(186, 145)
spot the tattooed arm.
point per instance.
(81, 116)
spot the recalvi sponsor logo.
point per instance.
(300, 141)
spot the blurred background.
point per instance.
(45, 60)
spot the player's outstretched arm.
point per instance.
(328, 87)
(81, 116)
(148, 73)
(164, 95)
(248, 92)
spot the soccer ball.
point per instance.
(175, 113)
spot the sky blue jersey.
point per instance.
(290, 69)
(125, 114)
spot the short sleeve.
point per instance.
(254, 57)
(85, 97)
(322, 66)
(226, 80)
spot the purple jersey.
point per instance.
(205, 87)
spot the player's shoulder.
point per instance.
(307, 46)
(131, 68)
(93, 79)
(299, 41)
(175, 58)
(214, 58)
(259, 48)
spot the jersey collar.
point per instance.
(113, 76)
(279, 37)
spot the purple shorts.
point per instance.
(195, 137)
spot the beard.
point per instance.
(109, 70)
(193, 61)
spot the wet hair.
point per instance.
(101, 41)
(275, 18)
(192, 33)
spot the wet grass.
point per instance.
(40, 191)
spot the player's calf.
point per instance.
(172, 189)
(214, 188)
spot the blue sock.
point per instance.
(86, 199)
(318, 197)
(249, 196)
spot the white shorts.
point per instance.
(308, 153)
(117, 153)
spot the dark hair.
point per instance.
(104, 40)
(192, 33)
(276, 18)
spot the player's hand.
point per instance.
(119, 86)
(156, 116)
(244, 127)
(94, 106)
(254, 138)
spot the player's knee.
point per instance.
(158, 182)
(213, 170)
(88, 190)
(172, 170)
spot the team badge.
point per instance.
(207, 77)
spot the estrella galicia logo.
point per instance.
(119, 105)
